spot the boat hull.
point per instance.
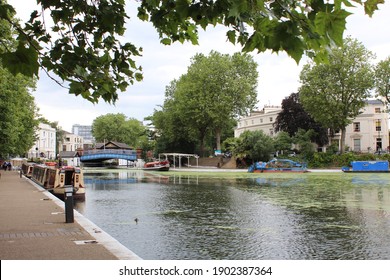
(56, 179)
(157, 168)
(380, 166)
(278, 166)
(357, 171)
(280, 171)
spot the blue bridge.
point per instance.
(106, 154)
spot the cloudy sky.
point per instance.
(278, 74)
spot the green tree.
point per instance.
(119, 128)
(382, 79)
(283, 142)
(83, 45)
(18, 114)
(173, 133)
(334, 94)
(303, 139)
(216, 88)
(256, 145)
(293, 117)
(18, 111)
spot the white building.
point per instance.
(68, 150)
(45, 145)
(71, 142)
(259, 120)
(369, 131)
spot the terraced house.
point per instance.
(368, 132)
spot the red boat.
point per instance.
(157, 165)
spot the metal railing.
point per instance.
(110, 151)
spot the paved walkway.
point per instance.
(33, 227)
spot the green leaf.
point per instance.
(370, 6)
(332, 25)
(166, 41)
(138, 77)
(23, 60)
(231, 36)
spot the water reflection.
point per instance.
(300, 216)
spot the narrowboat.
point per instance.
(278, 165)
(157, 166)
(27, 169)
(375, 166)
(55, 179)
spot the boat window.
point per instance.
(69, 177)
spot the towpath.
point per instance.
(33, 227)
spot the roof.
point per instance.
(374, 101)
(113, 145)
(69, 154)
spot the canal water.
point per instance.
(279, 216)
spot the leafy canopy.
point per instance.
(382, 79)
(296, 27)
(119, 128)
(334, 94)
(215, 90)
(256, 145)
(18, 114)
(82, 44)
(18, 111)
(293, 117)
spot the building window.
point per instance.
(356, 145)
(377, 110)
(271, 119)
(271, 132)
(379, 144)
(253, 121)
(378, 126)
(261, 120)
(356, 126)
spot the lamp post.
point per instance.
(69, 216)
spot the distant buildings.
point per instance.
(369, 132)
(259, 120)
(86, 132)
(71, 142)
(70, 148)
(45, 145)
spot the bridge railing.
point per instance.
(110, 151)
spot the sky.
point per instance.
(278, 73)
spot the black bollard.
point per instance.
(69, 217)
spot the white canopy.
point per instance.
(180, 156)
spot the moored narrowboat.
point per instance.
(27, 169)
(374, 166)
(55, 179)
(157, 165)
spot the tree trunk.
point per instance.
(218, 138)
(342, 140)
(202, 133)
